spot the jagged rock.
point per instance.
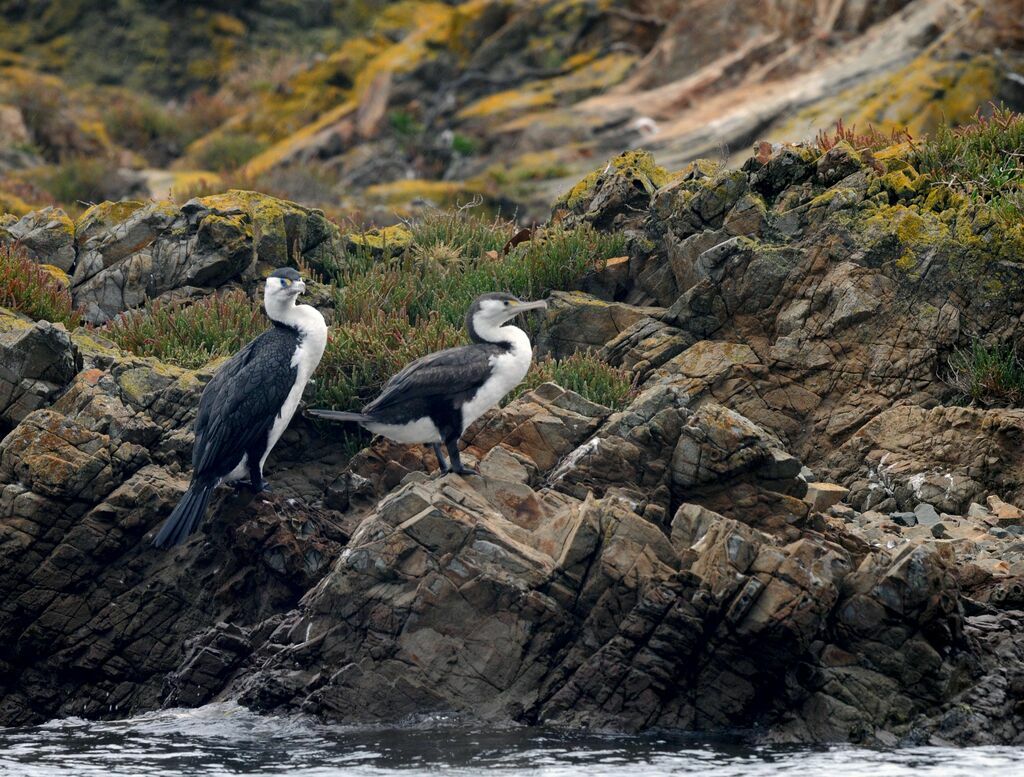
(644, 346)
(577, 321)
(207, 242)
(35, 364)
(946, 456)
(822, 496)
(48, 235)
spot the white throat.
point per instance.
(501, 333)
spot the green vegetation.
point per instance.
(871, 139)
(82, 180)
(983, 160)
(585, 374)
(464, 145)
(393, 308)
(189, 334)
(29, 288)
(229, 151)
(988, 375)
(404, 124)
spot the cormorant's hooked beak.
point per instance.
(514, 307)
(522, 307)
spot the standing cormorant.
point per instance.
(249, 402)
(434, 399)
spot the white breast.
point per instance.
(307, 356)
(507, 371)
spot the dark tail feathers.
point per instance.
(186, 516)
(339, 415)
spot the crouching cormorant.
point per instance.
(434, 399)
(249, 402)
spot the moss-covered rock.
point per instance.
(380, 243)
(626, 183)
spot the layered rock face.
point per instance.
(119, 255)
(790, 528)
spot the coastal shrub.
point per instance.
(983, 159)
(870, 139)
(987, 374)
(189, 333)
(83, 180)
(391, 311)
(27, 287)
(142, 124)
(229, 151)
(585, 374)
(411, 287)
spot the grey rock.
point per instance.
(48, 235)
(926, 514)
(36, 363)
(904, 519)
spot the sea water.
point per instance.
(224, 739)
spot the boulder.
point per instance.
(48, 236)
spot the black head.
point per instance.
(494, 309)
(290, 273)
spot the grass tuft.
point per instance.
(28, 288)
(585, 374)
(988, 375)
(189, 334)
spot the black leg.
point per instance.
(441, 463)
(456, 461)
(256, 476)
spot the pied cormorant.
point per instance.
(249, 402)
(434, 399)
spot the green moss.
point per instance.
(636, 166)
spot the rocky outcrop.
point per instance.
(794, 525)
(119, 255)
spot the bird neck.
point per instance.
(508, 335)
(284, 312)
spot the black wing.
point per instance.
(241, 402)
(452, 375)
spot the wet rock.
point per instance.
(905, 519)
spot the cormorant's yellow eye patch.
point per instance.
(511, 302)
(286, 281)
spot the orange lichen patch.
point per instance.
(430, 26)
(11, 203)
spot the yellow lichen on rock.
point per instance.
(589, 75)
(635, 165)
